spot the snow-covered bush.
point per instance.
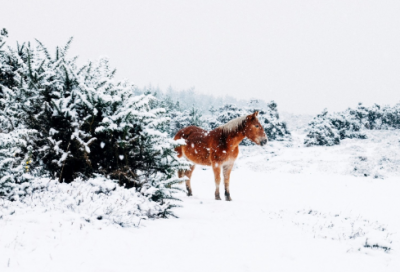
(321, 131)
(388, 117)
(328, 129)
(377, 117)
(346, 127)
(93, 199)
(15, 174)
(82, 122)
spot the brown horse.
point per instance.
(218, 148)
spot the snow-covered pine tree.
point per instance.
(212, 110)
(88, 123)
(180, 120)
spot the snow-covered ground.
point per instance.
(293, 209)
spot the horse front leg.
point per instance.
(217, 176)
(227, 174)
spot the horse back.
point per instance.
(184, 133)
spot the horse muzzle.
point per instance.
(263, 142)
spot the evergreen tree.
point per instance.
(213, 110)
(79, 122)
(184, 119)
(195, 117)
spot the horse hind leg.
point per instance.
(188, 174)
(181, 174)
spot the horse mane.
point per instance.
(233, 125)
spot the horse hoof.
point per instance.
(217, 198)
(228, 198)
(189, 194)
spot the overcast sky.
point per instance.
(305, 55)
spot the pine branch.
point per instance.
(44, 49)
(66, 47)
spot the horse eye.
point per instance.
(256, 126)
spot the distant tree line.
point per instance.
(217, 115)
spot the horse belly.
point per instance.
(198, 154)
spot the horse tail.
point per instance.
(180, 135)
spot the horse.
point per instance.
(218, 148)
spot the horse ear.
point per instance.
(252, 116)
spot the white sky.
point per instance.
(305, 55)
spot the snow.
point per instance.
(294, 208)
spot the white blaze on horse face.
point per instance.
(192, 145)
(216, 164)
(223, 151)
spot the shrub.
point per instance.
(328, 129)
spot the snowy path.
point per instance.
(276, 222)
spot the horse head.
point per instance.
(254, 131)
